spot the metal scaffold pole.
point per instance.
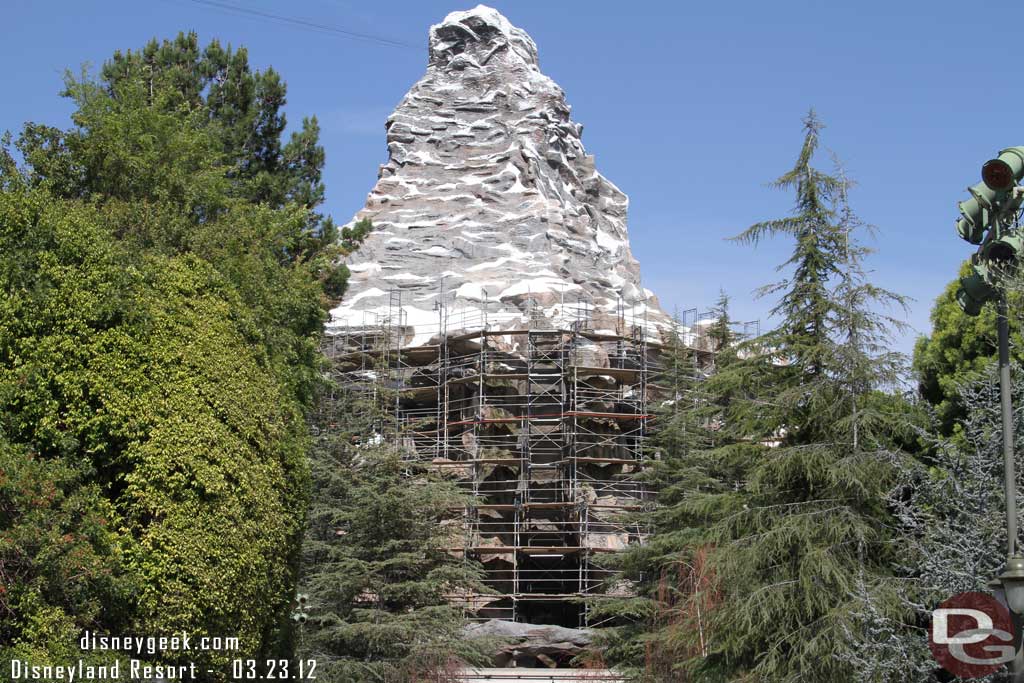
(541, 422)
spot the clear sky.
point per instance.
(690, 108)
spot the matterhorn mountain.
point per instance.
(489, 204)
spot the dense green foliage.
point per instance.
(165, 276)
(767, 534)
(957, 351)
(59, 555)
(645, 640)
(377, 577)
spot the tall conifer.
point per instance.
(779, 529)
(809, 522)
(383, 590)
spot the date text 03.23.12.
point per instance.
(273, 670)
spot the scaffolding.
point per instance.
(542, 419)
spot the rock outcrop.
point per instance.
(488, 200)
(532, 645)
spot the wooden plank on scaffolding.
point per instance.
(417, 392)
(517, 462)
(617, 373)
(469, 379)
(611, 461)
(549, 506)
(608, 416)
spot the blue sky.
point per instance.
(690, 107)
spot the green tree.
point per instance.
(242, 108)
(952, 532)
(691, 450)
(957, 352)
(379, 579)
(810, 516)
(720, 333)
(133, 380)
(183, 135)
(59, 556)
(166, 279)
(768, 535)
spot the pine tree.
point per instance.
(668, 573)
(383, 591)
(720, 333)
(810, 517)
(243, 106)
(783, 520)
(679, 429)
(194, 133)
(862, 332)
(183, 148)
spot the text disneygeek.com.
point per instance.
(130, 661)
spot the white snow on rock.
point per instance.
(489, 201)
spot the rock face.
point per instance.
(489, 202)
(530, 644)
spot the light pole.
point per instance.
(996, 197)
(1009, 478)
(1012, 578)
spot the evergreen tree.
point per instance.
(810, 517)
(784, 519)
(678, 416)
(866, 368)
(952, 533)
(950, 503)
(668, 573)
(720, 333)
(192, 133)
(244, 107)
(383, 590)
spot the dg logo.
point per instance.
(972, 635)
